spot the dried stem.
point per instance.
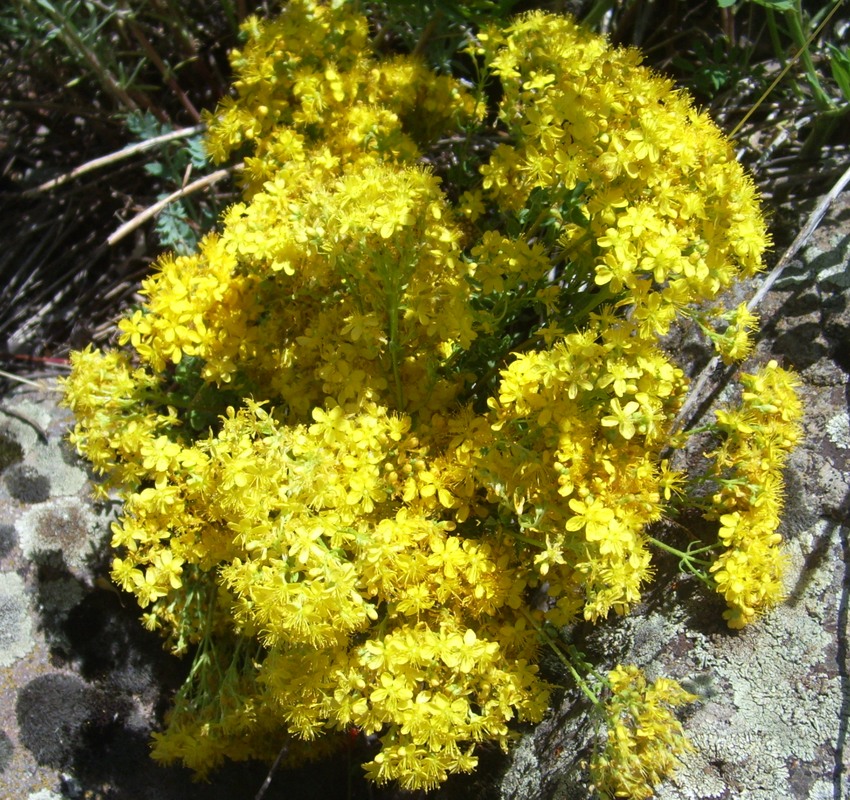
(152, 211)
(112, 158)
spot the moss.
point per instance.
(27, 485)
(52, 712)
(10, 451)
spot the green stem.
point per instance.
(389, 273)
(529, 233)
(594, 301)
(687, 561)
(773, 31)
(794, 19)
(709, 427)
(566, 658)
(527, 540)
(599, 9)
(395, 352)
(682, 554)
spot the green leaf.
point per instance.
(174, 231)
(776, 5)
(197, 152)
(145, 125)
(839, 63)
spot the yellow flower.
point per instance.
(307, 544)
(394, 694)
(622, 417)
(644, 739)
(594, 516)
(168, 568)
(147, 586)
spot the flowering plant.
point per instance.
(382, 434)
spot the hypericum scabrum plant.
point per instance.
(381, 435)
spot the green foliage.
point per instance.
(788, 23)
(840, 65)
(711, 68)
(183, 222)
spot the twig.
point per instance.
(152, 211)
(18, 379)
(814, 220)
(112, 158)
(55, 362)
(167, 74)
(267, 782)
(805, 234)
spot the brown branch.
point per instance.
(152, 211)
(167, 73)
(112, 158)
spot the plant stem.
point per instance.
(794, 19)
(389, 273)
(72, 39)
(684, 556)
(527, 540)
(566, 658)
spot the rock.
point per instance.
(15, 624)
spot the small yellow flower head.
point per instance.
(759, 435)
(734, 342)
(644, 738)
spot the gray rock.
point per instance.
(15, 623)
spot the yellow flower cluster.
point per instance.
(369, 440)
(576, 461)
(644, 738)
(309, 92)
(758, 436)
(668, 218)
(331, 286)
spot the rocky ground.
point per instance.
(82, 683)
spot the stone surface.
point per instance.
(15, 623)
(83, 685)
